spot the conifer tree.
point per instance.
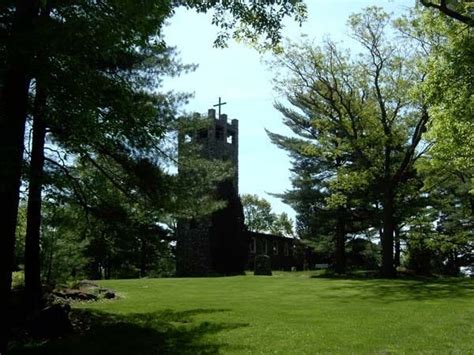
(359, 125)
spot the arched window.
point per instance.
(275, 248)
(253, 245)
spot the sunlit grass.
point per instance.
(286, 313)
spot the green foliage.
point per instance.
(460, 10)
(258, 213)
(362, 254)
(165, 266)
(440, 236)
(18, 279)
(105, 219)
(63, 244)
(258, 23)
(260, 218)
(448, 87)
(282, 225)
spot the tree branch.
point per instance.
(443, 7)
(75, 185)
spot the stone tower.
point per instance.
(221, 141)
(215, 244)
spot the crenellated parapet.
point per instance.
(219, 139)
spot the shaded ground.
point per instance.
(165, 332)
(410, 289)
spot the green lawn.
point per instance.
(286, 313)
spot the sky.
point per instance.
(242, 77)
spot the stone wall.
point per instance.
(193, 248)
(200, 243)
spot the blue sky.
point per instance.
(243, 80)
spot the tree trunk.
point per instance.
(33, 292)
(143, 258)
(340, 259)
(50, 263)
(107, 267)
(396, 260)
(13, 108)
(107, 270)
(388, 269)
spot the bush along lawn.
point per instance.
(285, 313)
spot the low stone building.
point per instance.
(281, 250)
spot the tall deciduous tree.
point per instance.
(448, 173)
(358, 116)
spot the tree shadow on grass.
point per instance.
(164, 332)
(395, 290)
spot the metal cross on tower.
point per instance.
(219, 105)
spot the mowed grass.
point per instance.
(288, 313)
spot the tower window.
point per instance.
(230, 138)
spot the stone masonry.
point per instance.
(195, 252)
